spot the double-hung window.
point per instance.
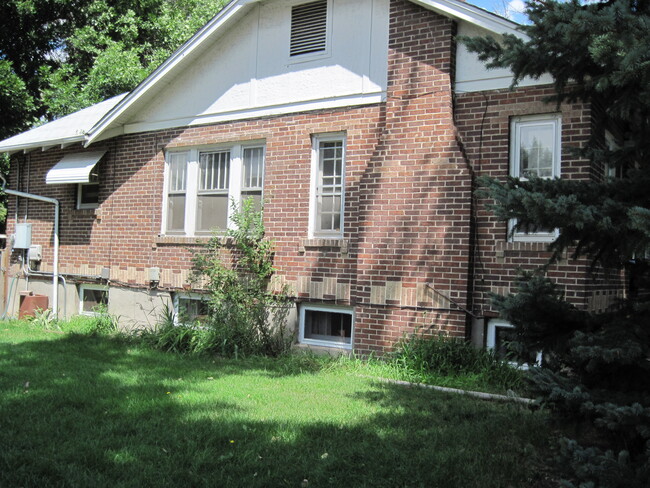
(328, 190)
(200, 185)
(535, 152)
(212, 195)
(176, 191)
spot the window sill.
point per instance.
(504, 249)
(319, 243)
(170, 240)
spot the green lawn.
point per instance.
(80, 410)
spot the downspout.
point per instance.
(55, 272)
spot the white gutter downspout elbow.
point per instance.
(55, 272)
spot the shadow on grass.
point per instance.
(87, 411)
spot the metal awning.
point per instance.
(74, 168)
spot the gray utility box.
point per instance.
(23, 236)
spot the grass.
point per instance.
(90, 410)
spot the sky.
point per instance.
(511, 9)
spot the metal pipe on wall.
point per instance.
(55, 265)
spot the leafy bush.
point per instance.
(428, 358)
(245, 317)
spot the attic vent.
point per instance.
(308, 28)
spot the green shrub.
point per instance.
(245, 317)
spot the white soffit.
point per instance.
(74, 168)
(113, 121)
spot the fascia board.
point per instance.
(27, 147)
(472, 14)
(168, 66)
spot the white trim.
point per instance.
(83, 206)
(181, 55)
(498, 83)
(461, 10)
(490, 339)
(490, 336)
(185, 296)
(84, 287)
(329, 309)
(516, 125)
(320, 104)
(450, 8)
(315, 171)
(110, 125)
(43, 145)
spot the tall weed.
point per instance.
(430, 358)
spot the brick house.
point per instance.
(361, 124)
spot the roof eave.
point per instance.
(43, 145)
(475, 15)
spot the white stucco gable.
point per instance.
(247, 70)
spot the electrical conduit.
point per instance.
(55, 265)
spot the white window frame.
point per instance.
(83, 288)
(314, 220)
(328, 309)
(83, 206)
(516, 125)
(301, 58)
(184, 296)
(491, 339)
(192, 183)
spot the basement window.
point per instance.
(326, 326)
(190, 309)
(499, 333)
(93, 299)
(308, 28)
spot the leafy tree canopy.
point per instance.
(58, 56)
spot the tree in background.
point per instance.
(59, 56)
(597, 366)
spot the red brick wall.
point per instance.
(483, 121)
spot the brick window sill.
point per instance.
(508, 248)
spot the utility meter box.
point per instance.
(23, 236)
(35, 253)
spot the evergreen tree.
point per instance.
(597, 366)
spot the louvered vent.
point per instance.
(308, 28)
